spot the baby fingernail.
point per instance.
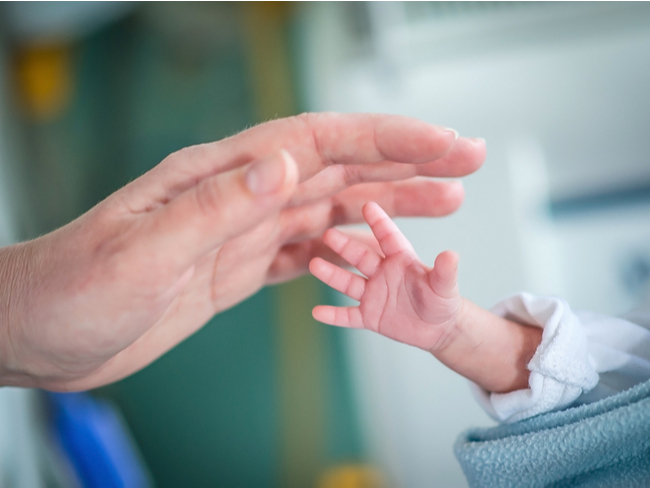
(267, 176)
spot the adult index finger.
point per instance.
(315, 141)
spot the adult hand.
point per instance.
(108, 293)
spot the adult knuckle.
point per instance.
(208, 197)
(181, 155)
(308, 118)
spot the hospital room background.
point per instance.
(93, 95)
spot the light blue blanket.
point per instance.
(605, 444)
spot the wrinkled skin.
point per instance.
(107, 294)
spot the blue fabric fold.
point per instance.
(606, 443)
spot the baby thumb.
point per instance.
(443, 276)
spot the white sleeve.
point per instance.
(583, 357)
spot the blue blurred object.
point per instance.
(96, 442)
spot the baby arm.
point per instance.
(403, 299)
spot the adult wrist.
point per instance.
(13, 287)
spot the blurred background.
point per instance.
(94, 94)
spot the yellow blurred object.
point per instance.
(352, 476)
(302, 365)
(266, 26)
(44, 79)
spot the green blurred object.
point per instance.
(206, 413)
(260, 396)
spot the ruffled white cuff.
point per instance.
(561, 369)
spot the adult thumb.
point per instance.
(220, 208)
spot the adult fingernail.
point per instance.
(455, 132)
(267, 176)
(480, 139)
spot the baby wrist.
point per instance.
(561, 370)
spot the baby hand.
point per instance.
(400, 297)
